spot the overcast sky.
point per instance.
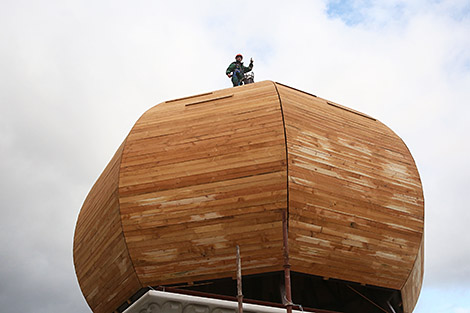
(76, 75)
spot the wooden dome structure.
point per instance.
(199, 175)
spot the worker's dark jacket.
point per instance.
(238, 66)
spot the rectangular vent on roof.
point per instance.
(186, 98)
(208, 100)
(350, 110)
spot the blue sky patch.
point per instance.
(351, 12)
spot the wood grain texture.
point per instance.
(102, 263)
(412, 288)
(199, 175)
(355, 196)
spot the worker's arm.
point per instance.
(250, 67)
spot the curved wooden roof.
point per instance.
(197, 176)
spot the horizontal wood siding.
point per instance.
(199, 176)
(355, 197)
(102, 264)
(412, 288)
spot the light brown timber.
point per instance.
(199, 175)
(102, 263)
(412, 287)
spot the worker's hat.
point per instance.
(239, 55)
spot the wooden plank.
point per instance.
(362, 208)
(198, 175)
(226, 174)
(354, 236)
(208, 100)
(348, 169)
(338, 271)
(318, 116)
(313, 219)
(100, 252)
(189, 97)
(202, 152)
(335, 132)
(215, 174)
(412, 287)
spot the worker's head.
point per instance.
(239, 57)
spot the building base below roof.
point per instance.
(265, 291)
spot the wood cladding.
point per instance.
(199, 175)
(346, 202)
(412, 287)
(102, 263)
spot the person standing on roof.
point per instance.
(236, 70)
